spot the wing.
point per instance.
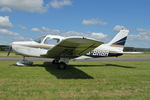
(73, 47)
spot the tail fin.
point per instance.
(119, 40)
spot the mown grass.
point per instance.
(143, 54)
(80, 81)
(5, 53)
(147, 52)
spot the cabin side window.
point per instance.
(51, 41)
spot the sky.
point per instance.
(22, 20)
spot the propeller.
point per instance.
(10, 48)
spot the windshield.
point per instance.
(39, 40)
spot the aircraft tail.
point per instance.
(119, 40)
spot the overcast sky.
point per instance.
(99, 19)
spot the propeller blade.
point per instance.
(10, 48)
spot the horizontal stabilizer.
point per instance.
(132, 52)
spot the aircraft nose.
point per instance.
(13, 45)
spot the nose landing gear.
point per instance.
(24, 62)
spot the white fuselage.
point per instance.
(31, 48)
(34, 49)
(40, 47)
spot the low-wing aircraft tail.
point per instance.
(112, 49)
(119, 40)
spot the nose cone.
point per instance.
(16, 46)
(13, 44)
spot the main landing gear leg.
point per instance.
(61, 63)
(55, 61)
(24, 62)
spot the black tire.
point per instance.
(55, 62)
(62, 65)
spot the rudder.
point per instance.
(119, 40)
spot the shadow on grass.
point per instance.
(105, 65)
(69, 73)
(119, 66)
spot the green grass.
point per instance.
(144, 54)
(136, 55)
(147, 52)
(4, 54)
(80, 81)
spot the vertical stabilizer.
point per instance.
(119, 40)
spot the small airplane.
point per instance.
(62, 49)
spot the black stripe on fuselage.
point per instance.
(104, 55)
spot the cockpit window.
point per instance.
(39, 40)
(51, 41)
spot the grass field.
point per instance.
(144, 54)
(80, 81)
(4, 54)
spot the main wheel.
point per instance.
(55, 61)
(62, 65)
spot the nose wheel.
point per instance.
(24, 62)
